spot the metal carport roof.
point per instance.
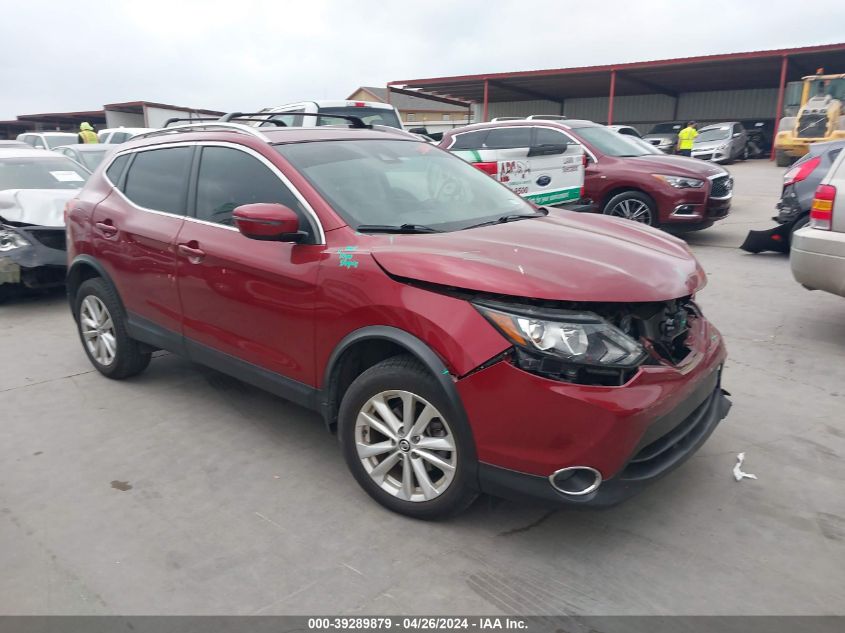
(755, 69)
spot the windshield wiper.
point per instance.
(511, 217)
(393, 228)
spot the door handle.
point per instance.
(194, 254)
(107, 228)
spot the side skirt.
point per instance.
(146, 331)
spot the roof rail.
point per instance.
(354, 121)
(199, 127)
(189, 120)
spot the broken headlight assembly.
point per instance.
(11, 239)
(579, 347)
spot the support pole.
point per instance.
(612, 94)
(485, 107)
(779, 111)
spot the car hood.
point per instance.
(676, 165)
(41, 207)
(565, 256)
(710, 144)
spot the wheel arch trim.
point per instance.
(416, 347)
(86, 260)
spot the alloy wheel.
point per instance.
(632, 209)
(97, 328)
(406, 446)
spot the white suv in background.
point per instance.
(818, 250)
(370, 112)
(48, 140)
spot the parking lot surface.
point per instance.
(184, 491)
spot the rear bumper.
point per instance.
(649, 464)
(817, 259)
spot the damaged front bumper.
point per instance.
(32, 256)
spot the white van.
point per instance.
(370, 112)
(529, 157)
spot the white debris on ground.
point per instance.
(739, 475)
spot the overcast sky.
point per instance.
(245, 54)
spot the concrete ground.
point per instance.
(186, 492)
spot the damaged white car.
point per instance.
(34, 187)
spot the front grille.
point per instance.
(812, 125)
(721, 187)
(51, 238)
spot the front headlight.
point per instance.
(10, 240)
(680, 182)
(575, 338)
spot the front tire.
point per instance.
(404, 443)
(632, 205)
(102, 329)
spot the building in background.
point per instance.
(420, 110)
(754, 87)
(129, 114)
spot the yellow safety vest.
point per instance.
(88, 136)
(686, 137)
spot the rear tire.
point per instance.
(633, 205)
(404, 443)
(782, 159)
(102, 329)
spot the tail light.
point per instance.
(800, 172)
(491, 169)
(821, 213)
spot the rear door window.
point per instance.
(508, 138)
(158, 179)
(470, 140)
(229, 178)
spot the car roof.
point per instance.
(270, 135)
(19, 152)
(52, 133)
(87, 147)
(565, 124)
(335, 103)
(710, 126)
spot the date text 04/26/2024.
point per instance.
(417, 623)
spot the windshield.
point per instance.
(612, 143)
(713, 134)
(833, 87)
(376, 182)
(666, 128)
(370, 116)
(54, 140)
(92, 158)
(41, 173)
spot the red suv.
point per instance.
(627, 177)
(458, 338)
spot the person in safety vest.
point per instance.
(686, 138)
(87, 134)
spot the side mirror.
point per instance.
(547, 150)
(268, 221)
(737, 134)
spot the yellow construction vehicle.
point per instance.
(821, 117)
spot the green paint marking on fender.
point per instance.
(346, 257)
